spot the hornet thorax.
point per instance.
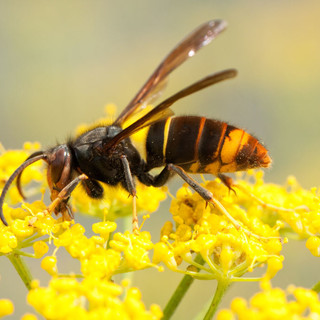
(102, 164)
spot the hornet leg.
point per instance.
(203, 192)
(131, 188)
(165, 174)
(227, 181)
(158, 180)
(208, 196)
(64, 195)
(170, 169)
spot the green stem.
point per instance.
(30, 242)
(22, 269)
(180, 291)
(316, 287)
(24, 254)
(222, 287)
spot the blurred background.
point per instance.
(63, 61)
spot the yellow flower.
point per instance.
(49, 264)
(297, 209)
(163, 253)
(135, 249)
(91, 298)
(204, 229)
(101, 263)
(127, 251)
(8, 241)
(275, 303)
(117, 203)
(313, 244)
(29, 316)
(40, 248)
(104, 228)
(6, 307)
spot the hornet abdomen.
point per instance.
(201, 145)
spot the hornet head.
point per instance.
(59, 175)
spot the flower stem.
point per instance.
(316, 287)
(180, 291)
(222, 287)
(22, 269)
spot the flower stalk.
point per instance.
(223, 285)
(316, 287)
(180, 292)
(22, 268)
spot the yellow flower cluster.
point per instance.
(203, 229)
(127, 251)
(96, 295)
(91, 298)
(117, 203)
(28, 224)
(124, 252)
(135, 249)
(263, 211)
(275, 303)
(297, 210)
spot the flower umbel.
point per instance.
(68, 298)
(201, 228)
(275, 303)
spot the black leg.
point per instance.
(203, 192)
(130, 186)
(156, 181)
(167, 172)
(170, 169)
(93, 188)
